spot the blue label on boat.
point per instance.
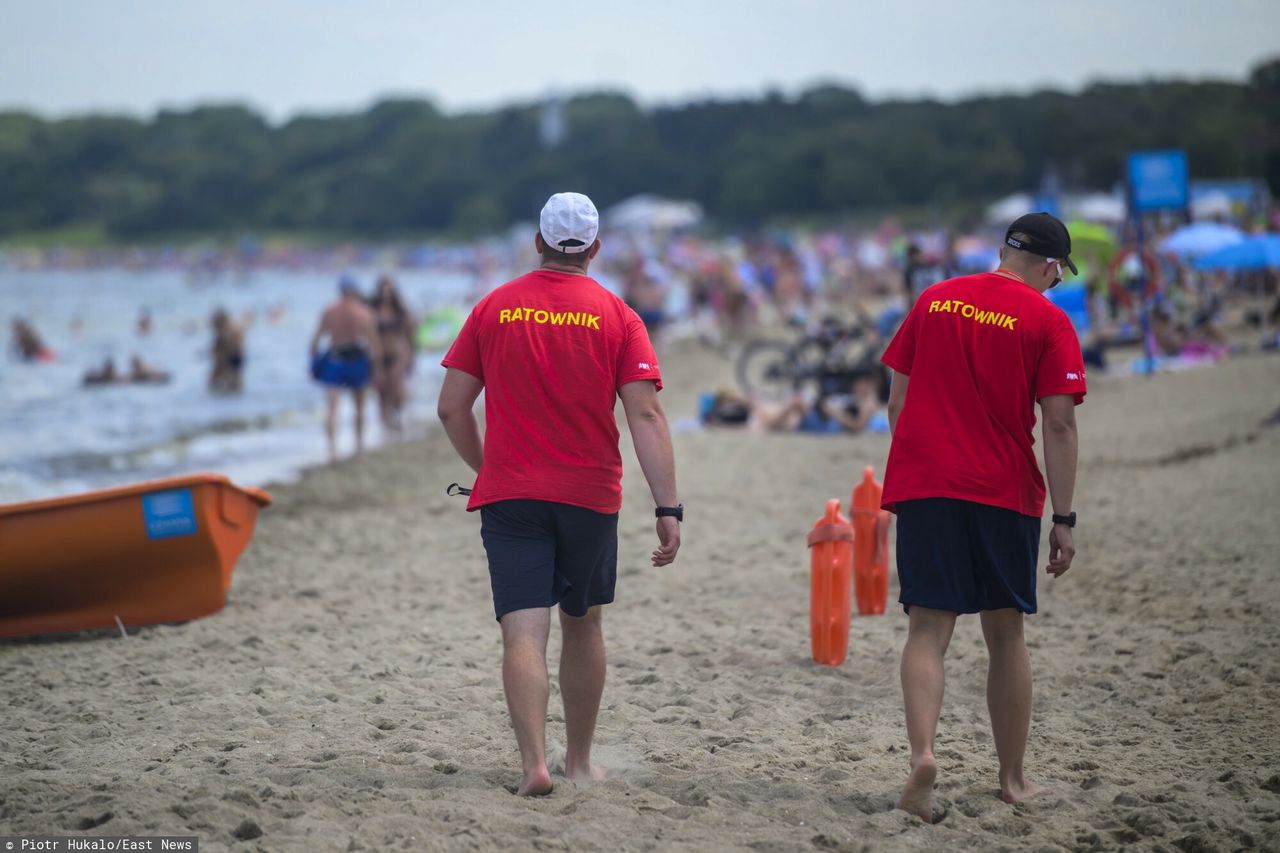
(169, 514)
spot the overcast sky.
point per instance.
(283, 57)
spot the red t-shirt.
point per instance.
(980, 351)
(552, 350)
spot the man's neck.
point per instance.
(571, 270)
(1017, 276)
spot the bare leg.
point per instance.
(358, 396)
(923, 679)
(1009, 699)
(384, 411)
(524, 678)
(398, 400)
(582, 674)
(331, 421)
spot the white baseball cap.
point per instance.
(569, 223)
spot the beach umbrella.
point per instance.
(1256, 252)
(1200, 238)
(1091, 233)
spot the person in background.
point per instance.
(104, 375)
(350, 361)
(142, 373)
(26, 341)
(919, 274)
(852, 411)
(396, 338)
(227, 376)
(144, 322)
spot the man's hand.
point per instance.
(669, 539)
(1062, 548)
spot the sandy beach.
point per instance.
(349, 696)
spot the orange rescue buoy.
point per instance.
(870, 545)
(830, 585)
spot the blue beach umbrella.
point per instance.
(1200, 238)
(1257, 252)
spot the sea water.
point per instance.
(58, 436)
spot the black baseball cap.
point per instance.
(1049, 237)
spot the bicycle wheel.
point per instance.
(767, 370)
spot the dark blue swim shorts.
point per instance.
(543, 553)
(345, 367)
(966, 557)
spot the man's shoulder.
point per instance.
(535, 283)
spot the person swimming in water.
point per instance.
(352, 359)
(104, 375)
(27, 342)
(145, 374)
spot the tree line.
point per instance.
(404, 167)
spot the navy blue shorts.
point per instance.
(349, 368)
(543, 553)
(966, 557)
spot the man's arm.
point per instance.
(652, 438)
(370, 323)
(1058, 432)
(458, 395)
(897, 397)
(320, 330)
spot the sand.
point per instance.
(349, 697)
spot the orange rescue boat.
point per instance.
(157, 551)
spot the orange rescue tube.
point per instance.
(830, 585)
(157, 551)
(870, 545)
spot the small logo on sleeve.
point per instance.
(1074, 376)
(644, 365)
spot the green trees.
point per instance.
(403, 167)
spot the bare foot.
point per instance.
(535, 784)
(917, 794)
(1015, 791)
(590, 773)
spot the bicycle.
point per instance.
(827, 357)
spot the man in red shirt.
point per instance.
(553, 351)
(979, 352)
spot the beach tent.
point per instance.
(1098, 207)
(1010, 208)
(1200, 238)
(651, 213)
(1256, 252)
(1213, 205)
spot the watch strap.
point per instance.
(1069, 520)
(676, 512)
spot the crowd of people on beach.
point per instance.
(725, 292)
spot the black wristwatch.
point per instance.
(1068, 520)
(676, 512)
